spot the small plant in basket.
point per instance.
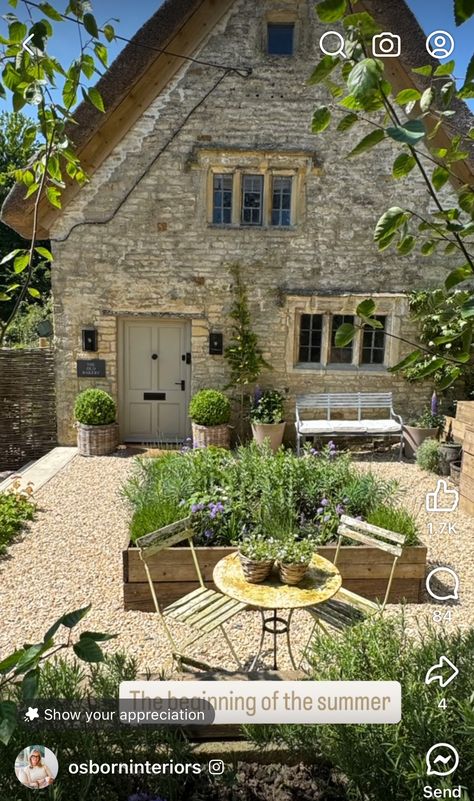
(209, 411)
(257, 555)
(266, 416)
(97, 432)
(293, 557)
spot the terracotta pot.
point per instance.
(255, 572)
(204, 436)
(273, 432)
(292, 574)
(413, 436)
(449, 452)
(455, 472)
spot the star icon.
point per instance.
(32, 714)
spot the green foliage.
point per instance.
(22, 331)
(359, 84)
(252, 492)
(428, 455)
(257, 547)
(388, 761)
(397, 519)
(16, 507)
(94, 407)
(209, 407)
(267, 406)
(428, 419)
(294, 551)
(243, 354)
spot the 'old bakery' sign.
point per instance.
(91, 368)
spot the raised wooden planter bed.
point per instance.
(364, 570)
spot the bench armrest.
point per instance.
(396, 417)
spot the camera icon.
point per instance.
(216, 767)
(386, 45)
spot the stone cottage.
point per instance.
(203, 159)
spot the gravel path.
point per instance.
(71, 556)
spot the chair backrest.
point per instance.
(330, 401)
(365, 533)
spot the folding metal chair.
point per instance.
(348, 608)
(203, 610)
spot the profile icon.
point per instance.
(440, 44)
(36, 767)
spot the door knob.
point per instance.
(154, 356)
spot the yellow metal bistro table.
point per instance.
(320, 583)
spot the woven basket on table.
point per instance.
(255, 572)
(97, 440)
(204, 436)
(292, 574)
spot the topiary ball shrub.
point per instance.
(209, 407)
(428, 455)
(94, 407)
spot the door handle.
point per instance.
(181, 384)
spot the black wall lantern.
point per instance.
(216, 344)
(89, 339)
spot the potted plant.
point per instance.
(97, 431)
(293, 558)
(449, 454)
(209, 411)
(266, 416)
(426, 426)
(257, 555)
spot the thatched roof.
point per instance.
(181, 26)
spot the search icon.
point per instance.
(340, 49)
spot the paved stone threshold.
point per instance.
(42, 470)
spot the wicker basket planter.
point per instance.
(204, 436)
(97, 440)
(255, 572)
(292, 574)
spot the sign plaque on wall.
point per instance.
(91, 368)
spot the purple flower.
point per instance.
(196, 507)
(257, 395)
(314, 452)
(324, 502)
(215, 508)
(434, 403)
(331, 445)
(339, 509)
(326, 518)
(144, 797)
(208, 533)
(320, 510)
(332, 454)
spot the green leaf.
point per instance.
(439, 177)
(90, 25)
(389, 223)
(96, 98)
(431, 367)
(366, 308)
(470, 72)
(101, 53)
(449, 378)
(364, 79)
(10, 661)
(344, 335)
(371, 140)
(72, 618)
(50, 12)
(458, 275)
(97, 636)
(463, 10)
(445, 69)
(428, 248)
(426, 99)
(11, 255)
(407, 96)
(17, 32)
(29, 685)
(408, 361)
(53, 194)
(32, 190)
(347, 122)
(69, 93)
(410, 133)
(3, 296)
(109, 33)
(363, 21)
(45, 253)
(7, 720)
(427, 71)
(406, 245)
(30, 655)
(21, 263)
(323, 69)
(88, 650)
(321, 119)
(403, 165)
(331, 10)
(34, 292)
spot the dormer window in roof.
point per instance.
(280, 38)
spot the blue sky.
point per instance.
(432, 15)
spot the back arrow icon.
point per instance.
(25, 44)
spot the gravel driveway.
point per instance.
(71, 556)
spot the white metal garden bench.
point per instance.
(389, 426)
(203, 610)
(348, 608)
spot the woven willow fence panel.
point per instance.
(27, 406)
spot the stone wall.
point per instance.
(158, 254)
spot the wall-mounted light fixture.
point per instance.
(89, 339)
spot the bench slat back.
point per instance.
(329, 401)
(165, 537)
(367, 534)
